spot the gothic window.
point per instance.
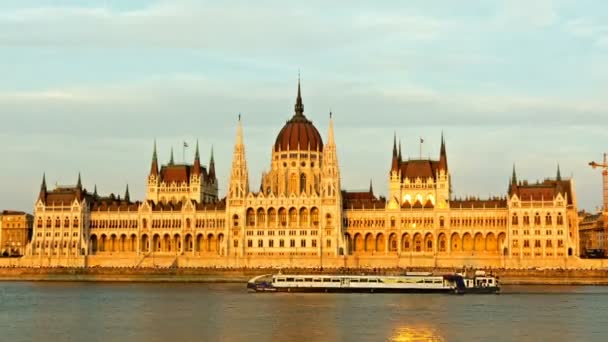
(537, 219)
(293, 180)
(236, 243)
(548, 219)
(75, 222)
(281, 243)
(560, 219)
(314, 243)
(250, 217)
(514, 220)
(303, 243)
(271, 243)
(315, 217)
(328, 221)
(549, 244)
(328, 243)
(293, 217)
(260, 243)
(283, 217)
(526, 220)
(249, 243)
(39, 224)
(526, 243)
(292, 243)
(57, 223)
(537, 244)
(302, 183)
(441, 222)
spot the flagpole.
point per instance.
(184, 153)
(421, 148)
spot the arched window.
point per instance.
(526, 219)
(537, 219)
(548, 220)
(514, 220)
(560, 219)
(293, 186)
(328, 220)
(144, 223)
(302, 183)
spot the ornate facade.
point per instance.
(301, 216)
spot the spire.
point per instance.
(395, 145)
(443, 157)
(154, 166)
(514, 176)
(197, 161)
(559, 174)
(171, 161)
(212, 165)
(79, 184)
(299, 107)
(399, 156)
(43, 185)
(371, 188)
(95, 191)
(196, 154)
(127, 196)
(330, 132)
(42, 194)
(239, 132)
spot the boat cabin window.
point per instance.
(317, 280)
(280, 280)
(364, 280)
(299, 280)
(373, 280)
(326, 280)
(438, 281)
(428, 281)
(289, 279)
(308, 279)
(354, 280)
(335, 280)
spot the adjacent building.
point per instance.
(301, 215)
(592, 233)
(15, 232)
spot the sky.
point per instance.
(86, 86)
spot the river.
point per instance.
(49, 311)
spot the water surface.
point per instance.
(46, 311)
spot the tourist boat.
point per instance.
(418, 282)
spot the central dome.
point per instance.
(298, 133)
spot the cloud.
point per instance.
(230, 26)
(589, 29)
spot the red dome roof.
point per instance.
(298, 133)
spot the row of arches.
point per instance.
(423, 242)
(283, 217)
(156, 243)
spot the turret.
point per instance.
(42, 194)
(196, 168)
(443, 157)
(127, 196)
(395, 159)
(154, 166)
(212, 167)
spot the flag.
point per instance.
(185, 144)
(421, 140)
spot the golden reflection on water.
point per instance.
(416, 334)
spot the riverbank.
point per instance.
(241, 275)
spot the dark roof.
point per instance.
(479, 203)
(362, 200)
(423, 169)
(546, 190)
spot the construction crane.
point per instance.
(604, 167)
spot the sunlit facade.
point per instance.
(301, 216)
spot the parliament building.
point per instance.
(302, 217)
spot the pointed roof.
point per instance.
(299, 107)
(239, 132)
(371, 188)
(443, 157)
(514, 176)
(212, 165)
(330, 131)
(399, 155)
(559, 175)
(171, 161)
(79, 184)
(127, 196)
(197, 161)
(95, 191)
(154, 166)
